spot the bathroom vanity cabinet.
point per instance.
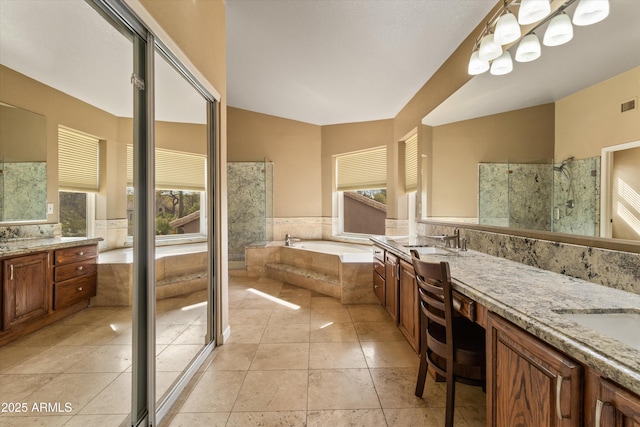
(42, 286)
(379, 275)
(528, 381)
(408, 305)
(608, 404)
(25, 289)
(391, 285)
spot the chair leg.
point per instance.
(451, 397)
(422, 373)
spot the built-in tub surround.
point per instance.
(614, 269)
(336, 269)
(180, 269)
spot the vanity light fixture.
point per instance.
(503, 30)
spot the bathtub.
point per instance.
(348, 252)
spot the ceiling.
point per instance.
(317, 61)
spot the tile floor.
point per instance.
(312, 362)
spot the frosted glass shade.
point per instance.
(502, 65)
(528, 49)
(507, 29)
(489, 49)
(591, 11)
(477, 65)
(533, 10)
(559, 31)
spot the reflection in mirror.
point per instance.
(23, 165)
(568, 105)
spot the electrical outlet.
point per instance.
(49, 208)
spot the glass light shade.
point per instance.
(559, 31)
(489, 49)
(528, 49)
(591, 11)
(477, 65)
(533, 10)
(507, 29)
(502, 65)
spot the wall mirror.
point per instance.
(23, 165)
(482, 114)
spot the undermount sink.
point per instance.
(429, 250)
(622, 326)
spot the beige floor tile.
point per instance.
(15, 388)
(271, 419)
(325, 302)
(336, 355)
(54, 360)
(347, 417)
(475, 416)
(95, 334)
(215, 392)
(396, 388)
(286, 333)
(48, 336)
(241, 333)
(268, 391)
(96, 420)
(280, 356)
(167, 333)
(194, 334)
(76, 389)
(369, 313)
(114, 399)
(11, 355)
(378, 331)
(51, 421)
(420, 417)
(290, 316)
(218, 419)
(342, 389)
(324, 315)
(233, 357)
(108, 358)
(249, 317)
(393, 354)
(176, 357)
(333, 332)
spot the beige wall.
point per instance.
(294, 149)
(345, 138)
(591, 119)
(521, 135)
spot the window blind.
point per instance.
(77, 160)
(411, 164)
(362, 170)
(175, 170)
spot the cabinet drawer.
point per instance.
(464, 305)
(378, 287)
(76, 269)
(378, 254)
(378, 267)
(74, 290)
(75, 254)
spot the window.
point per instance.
(361, 182)
(180, 192)
(78, 167)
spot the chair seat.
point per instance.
(469, 349)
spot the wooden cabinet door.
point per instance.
(25, 289)
(616, 406)
(408, 312)
(528, 382)
(378, 287)
(391, 286)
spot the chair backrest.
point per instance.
(436, 295)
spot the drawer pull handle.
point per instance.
(599, 406)
(11, 269)
(80, 268)
(558, 393)
(376, 286)
(80, 253)
(80, 289)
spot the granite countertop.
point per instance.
(534, 299)
(27, 246)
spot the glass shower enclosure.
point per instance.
(250, 207)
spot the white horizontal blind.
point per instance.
(175, 170)
(411, 164)
(362, 170)
(77, 160)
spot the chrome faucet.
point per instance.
(288, 239)
(452, 241)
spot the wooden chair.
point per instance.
(453, 345)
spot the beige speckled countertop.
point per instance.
(27, 246)
(534, 299)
